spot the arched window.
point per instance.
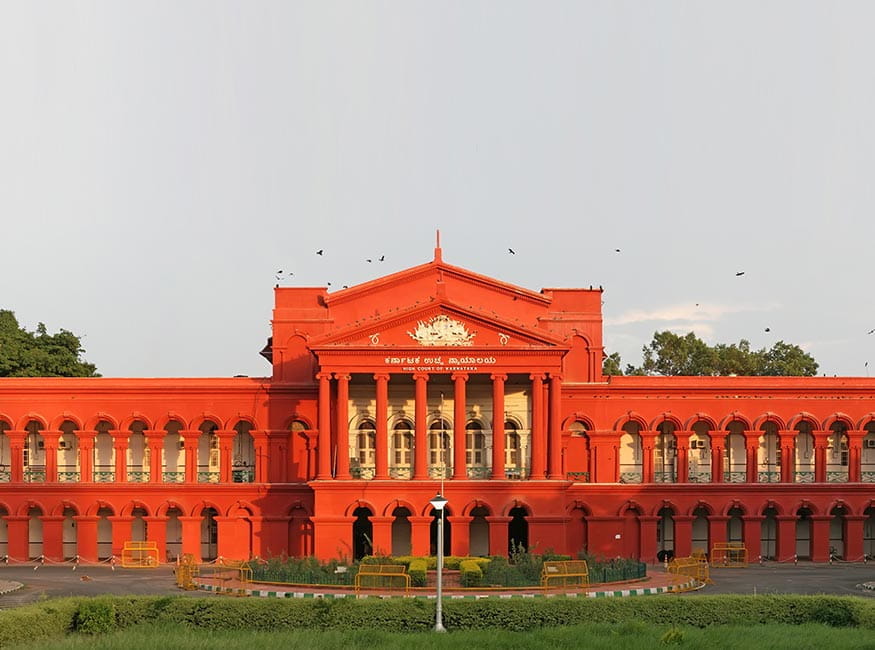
(365, 443)
(475, 444)
(402, 447)
(438, 443)
(513, 450)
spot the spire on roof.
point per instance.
(437, 247)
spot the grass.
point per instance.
(627, 636)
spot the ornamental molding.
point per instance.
(442, 330)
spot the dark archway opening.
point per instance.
(517, 530)
(362, 533)
(401, 544)
(433, 532)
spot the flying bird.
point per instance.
(369, 261)
(346, 286)
(739, 273)
(768, 329)
(319, 252)
(382, 258)
(511, 251)
(616, 250)
(871, 332)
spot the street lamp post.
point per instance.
(439, 503)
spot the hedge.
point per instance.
(55, 618)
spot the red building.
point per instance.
(384, 393)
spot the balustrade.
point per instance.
(173, 477)
(700, 477)
(768, 477)
(734, 477)
(578, 477)
(805, 477)
(68, 476)
(103, 476)
(138, 476)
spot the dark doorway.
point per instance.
(362, 533)
(433, 532)
(517, 530)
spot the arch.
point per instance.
(397, 503)
(630, 506)
(700, 417)
(203, 418)
(299, 505)
(101, 416)
(838, 503)
(400, 418)
(24, 508)
(63, 417)
(241, 504)
(64, 505)
(290, 421)
(5, 507)
(132, 505)
(838, 418)
(233, 421)
(99, 505)
(161, 511)
(129, 421)
(578, 505)
(666, 417)
(631, 416)
(735, 504)
(701, 505)
(204, 505)
(6, 419)
(516, 503)
(476, 503)
(665, 504)
(771, 505)
(167, 418)
(866, 419)
(32, 417)
(768, 416)
(577, 416)
(735, 416)
(359, 503)
(803, 416)
(805, 503)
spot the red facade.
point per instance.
(437, 378)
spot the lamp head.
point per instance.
(438, 503)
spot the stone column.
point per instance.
(821, 442)
(648, 537)
(382, 529)
(718, 446)
(50, 445)
(820, 538)
(683, 535)
(854, 537)
(86, 456)
(53, 537)
(751, 445)
(16, 448)
(155, 441)
(538, 440)
(554, 435)
(191, 536)
(460, 414)
(341, 425)
(86, 537)
(312, 441)
(121, 532)
(785, 548)
(381, 443)
(18, 537)
(498, 447)
(261, 443)
(420, 535)
(190, 442)
(460, 542)
(648, 441)
(603, 457)
(683, 461)
(120, 441)
(420, 436)
(855, 455)
(156, 531)
(498, 534)
(226, 454)
(324, 453)
(752, 535)
(787, 440)
(717, 530)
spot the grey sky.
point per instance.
(160, 161)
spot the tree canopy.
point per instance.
(38, 353)
(674, 354)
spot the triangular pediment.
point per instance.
(441, 325)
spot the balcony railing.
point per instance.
(837, 477)
(734, 477)
(867, 477)
(768, 477)
(5, 476)
(173, 477)
(104, 476)
(364, 473)
(34, 476)
(630, 477)
(663, 477)
(805, 477)
(435, 471)
(700, 477)
(479, 473)
(400, 472)
(207, 477)
(577, 477)
(247, 474)
(138, 476)
(516, 473)
(68, 477)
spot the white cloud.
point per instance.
(689, 313)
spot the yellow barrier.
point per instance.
(186, 570)
(140, 555)
(229, 576)
(381, 574)
(729, 554)
(576, 571)
(695, 567)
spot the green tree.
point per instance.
(611, 364)
(673, 354)
(38, 353)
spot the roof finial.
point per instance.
(437, 247)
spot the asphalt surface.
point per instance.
(57, 581)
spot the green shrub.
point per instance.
(95, 616)
(417, 571)
(44, 620)
(471, 573)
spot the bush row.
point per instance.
(104, 614)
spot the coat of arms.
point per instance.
(442, 330)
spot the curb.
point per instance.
(8, 586)
(617, 593)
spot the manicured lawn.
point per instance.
(609, 637)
